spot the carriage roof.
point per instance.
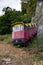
(22, 23)
(17, 23)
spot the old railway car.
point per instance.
(23, 32)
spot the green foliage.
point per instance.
(12, 16)
(6, 9)
(29, 8)
(24, 5)
(7, 19)
(25, 18)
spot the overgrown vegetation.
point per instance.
(34, 50)
(36, 42)
(5, 39)
(4, 56)
(11, 16)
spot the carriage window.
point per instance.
(21, 27)
(18, 28)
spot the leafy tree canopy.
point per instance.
(11, 16)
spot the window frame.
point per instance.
(20, 28)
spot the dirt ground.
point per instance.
(18, 55)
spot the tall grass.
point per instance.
(5, 38)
